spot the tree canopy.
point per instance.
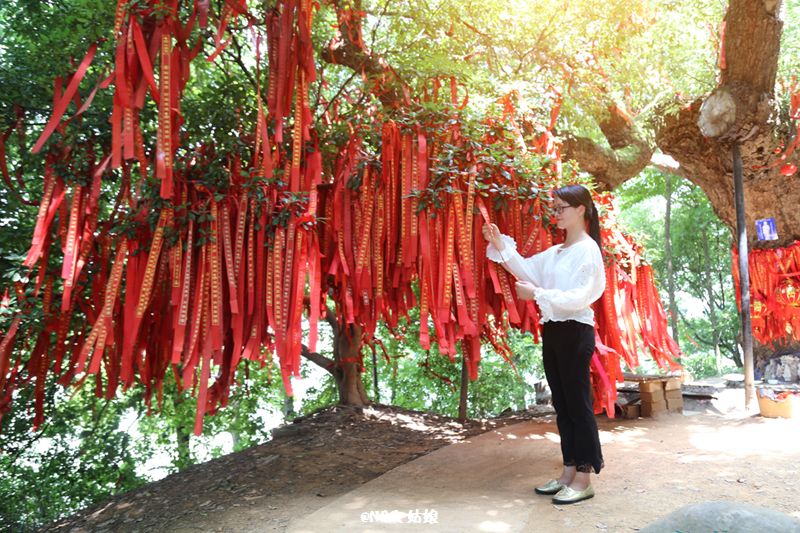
(215, 228)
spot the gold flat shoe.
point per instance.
(551, 487)
(568, 495)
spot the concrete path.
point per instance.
(653, 466)
(482, 484)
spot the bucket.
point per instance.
(774, 409)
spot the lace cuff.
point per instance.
(545, 306)
(496, 255)
(587, 468)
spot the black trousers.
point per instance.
(567, 349)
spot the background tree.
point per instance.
(705, 300)
(80, 456)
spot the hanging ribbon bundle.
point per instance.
(184, 287)
(192, 276)
(774, 292)
(412, 230)
(629, 316)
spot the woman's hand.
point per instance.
(525, 290)
(492, 235)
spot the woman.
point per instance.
(565, 280)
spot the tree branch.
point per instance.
(332, 100)
(609, 167)
(699, 337)
(237, 58)
(94, 428)
(538, 41)
(318, 359)
(347, 49)
(330, 318)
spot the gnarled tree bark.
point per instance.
(609, 167)
(628, 152)
(752, 44)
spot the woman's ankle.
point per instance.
(567, 475)
(580, 481)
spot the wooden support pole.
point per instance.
(375, 377)
(744, 281)
(462, 404)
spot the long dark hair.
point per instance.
(578, 195)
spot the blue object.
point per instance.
(766, 229)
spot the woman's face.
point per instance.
(569, 216)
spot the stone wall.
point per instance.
(783, 368)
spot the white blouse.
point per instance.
(568, 280)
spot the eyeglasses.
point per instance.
(559, 210)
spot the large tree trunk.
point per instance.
(752, 46)
(346, 363)
(347, 369)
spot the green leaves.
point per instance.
(79, 457)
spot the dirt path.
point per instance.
(653, 466)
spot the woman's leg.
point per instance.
(575, 351)
(581, 481)
(567, 475)
(551, 341)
